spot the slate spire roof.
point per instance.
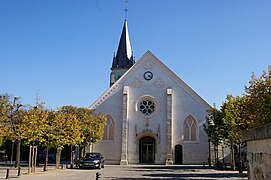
(124, 57)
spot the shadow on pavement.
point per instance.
(158, 172)
(173, 167)
(198, 175)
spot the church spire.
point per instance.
(124, 57)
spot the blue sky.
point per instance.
(62, 49)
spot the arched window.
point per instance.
(190, 129)
(109, 129)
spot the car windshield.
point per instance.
(90, 155)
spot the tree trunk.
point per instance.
(84, 149)
(46, 157)
(72, 162)
(32, 157)
(217, 155)
(12, 152)
(35, 157)
(29, 158)
(58, 156)
(232, 158)
(80, 151)
(223, 160)
(18, 150)
(239, 159)
(215, 152)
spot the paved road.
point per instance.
(134, 172)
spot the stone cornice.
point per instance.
(263, 132)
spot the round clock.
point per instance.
(148, 75)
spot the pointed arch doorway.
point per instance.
(146, 150)
(178, 154)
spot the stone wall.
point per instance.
(259, 152)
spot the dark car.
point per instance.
(3, 157)
(92, 160)
(42, 155)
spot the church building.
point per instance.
(153, 116)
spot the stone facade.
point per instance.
(158, 119)
(259, 152)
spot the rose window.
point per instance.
(147, 107)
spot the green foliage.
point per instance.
(234, 115)
(11, 117)
(66, 126)
(98, 127)
(87, 121)
(251, 110)
(241, 112)
(1, 141)
(66, 129)
(215, 128)
(34, 117)
(4, 110)
(90, 126)
(258, 104)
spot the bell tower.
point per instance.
(124, 59)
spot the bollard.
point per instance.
(98, 175)
(203, 164)
(7, 176)
(19, 171)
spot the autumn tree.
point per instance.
(234, 116)
(92, 126)
(11, 122)
(66, 130)
(35, 126)
(215, 129)
(48, 135)
(258, 102)
(4, 104)
(4, 110)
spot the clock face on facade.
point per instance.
(148, 75)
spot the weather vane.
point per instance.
(126, 9)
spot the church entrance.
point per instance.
(146, 150)
(178, 154)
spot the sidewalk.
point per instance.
(14, 172)
(132, 172)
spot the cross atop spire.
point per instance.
(126, 9)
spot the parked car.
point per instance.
(92, 160)
(3, 157)
(42, 155)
